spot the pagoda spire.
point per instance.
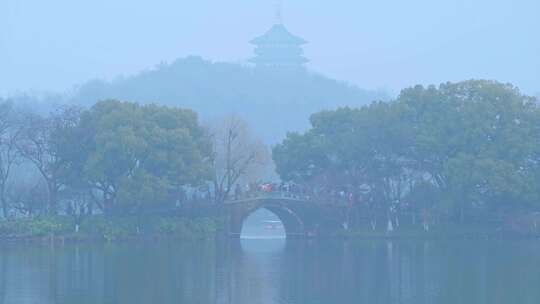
(279, 12)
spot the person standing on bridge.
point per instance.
(237, 192)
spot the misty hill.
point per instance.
(274, 102)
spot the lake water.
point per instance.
(273, 271)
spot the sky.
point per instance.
(57, 44)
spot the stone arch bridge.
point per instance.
(300, 218)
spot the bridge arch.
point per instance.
(293, 222)
(300, 218)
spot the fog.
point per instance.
(269, 151)
(54, 45)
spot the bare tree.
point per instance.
(9, 156)
(78, 201)
(236, 154)
(26, 195)
(45, 142)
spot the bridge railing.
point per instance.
(273, 194)
(306, 197)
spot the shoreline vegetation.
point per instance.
(101, 228)
(106, 229)
(444, 232)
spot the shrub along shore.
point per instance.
(132, 228)
(108, 229)
(449, 231)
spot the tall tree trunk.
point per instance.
(90, 210)
(4, 207)
(107, 205)
(3, 200)
(53, 198)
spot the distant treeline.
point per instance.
(460, 150)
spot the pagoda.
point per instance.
(280, 49)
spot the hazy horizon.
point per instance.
(387, 45)
(174, 151)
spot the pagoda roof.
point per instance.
(278, 34)
(279, 60)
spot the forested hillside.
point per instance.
(274, 102)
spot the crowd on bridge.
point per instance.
(300, 192)
(257, 189)
(319, 194)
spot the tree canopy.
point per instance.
(136, 155)
(473, 144)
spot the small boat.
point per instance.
(272, 225)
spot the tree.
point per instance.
(300, 157)
(471, 136)
(9, 156)
(137, 155)
(236, 154)
(46, 142)
(351, 147)
(476, 143)
(26, 195)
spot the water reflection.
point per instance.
(262, 224)
(273, 271)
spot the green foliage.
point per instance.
(37, 227)
(111, 228)
(472, 144)
(135, 155)
(123, 228)
(186, 228)
(143, 188)
(439, 232)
